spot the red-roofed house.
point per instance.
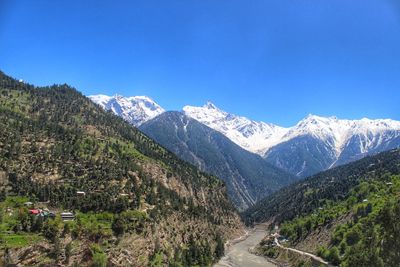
(35, 212)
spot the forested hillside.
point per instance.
(349, 215)
(133, 200)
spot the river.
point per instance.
(238, 255)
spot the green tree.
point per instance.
(99, 258)
(68, 252)
(118, 226)
(334, 256)
(220, 248)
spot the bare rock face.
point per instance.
(29, 256)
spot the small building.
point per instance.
(365, 200)
(389, 183)
(80, 193)
(67, 216)
(34, 211)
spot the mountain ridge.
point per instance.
(253, 136)
(248, 177)
(136, 109)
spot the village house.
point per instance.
(67, 216)
(80, 193)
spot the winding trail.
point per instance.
(304, 253)
(238, 254)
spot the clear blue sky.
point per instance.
(274, 61)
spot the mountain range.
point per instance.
(314, 144)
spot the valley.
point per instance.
(103, 185)
(199, 133)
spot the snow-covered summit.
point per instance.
(260, 137)
(136, 109)
(251, 135)
(337, 132)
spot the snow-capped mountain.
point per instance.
(337, 133)
(256, 137)
(136, 109)
(318, 143)
(312, 145)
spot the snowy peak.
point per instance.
(208, 113)
(251, 135)
(316, 123)
(136, 109)
(337, 132)
(210, 105)
(318, 143)
(100, 99)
